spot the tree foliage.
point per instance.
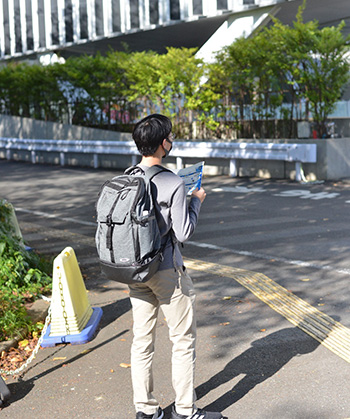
(258, 86)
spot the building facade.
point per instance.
(30, 27)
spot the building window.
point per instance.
(115, 16)
(68, 20)
(84, 33)
(222, 4)
(247, 2)
(153, 12)
(54, 23)
(134, 14)
(174, 10)
(6, 28)
(99, 17)
(18, 35)
(41, 19)
(197, 7)
(30, 42)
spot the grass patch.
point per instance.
(24, 276)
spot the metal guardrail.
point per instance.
(68, 146)
(298, 153)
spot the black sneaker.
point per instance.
(199, 414)
(158, 415)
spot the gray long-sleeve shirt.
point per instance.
(175, 212)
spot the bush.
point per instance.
(24, 276)
(13, 315)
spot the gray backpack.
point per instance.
(127, 238)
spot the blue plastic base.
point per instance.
(83, 337)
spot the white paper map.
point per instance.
(192, 176)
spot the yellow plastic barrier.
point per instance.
(73, 319)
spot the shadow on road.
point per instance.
(260, 362)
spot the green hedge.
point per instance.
(282, 72)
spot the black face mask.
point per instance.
(166, 152)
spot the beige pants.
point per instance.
(174, 293)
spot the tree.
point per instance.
(181, 74)
(248, 71)
(46, 99)
(315, 65)
(143, 75)
(167, 83)
(324, 73)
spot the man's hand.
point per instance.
(199, 193)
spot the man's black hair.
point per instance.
(150, 132)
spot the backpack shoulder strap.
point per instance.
(153, 171)
(134, 170)
(150, 173)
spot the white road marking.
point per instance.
(238, 189)
(294, 193)
(307, 194)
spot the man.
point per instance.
(171, 288)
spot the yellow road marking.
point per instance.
(330, 333)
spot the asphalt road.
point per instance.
(251, 362)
